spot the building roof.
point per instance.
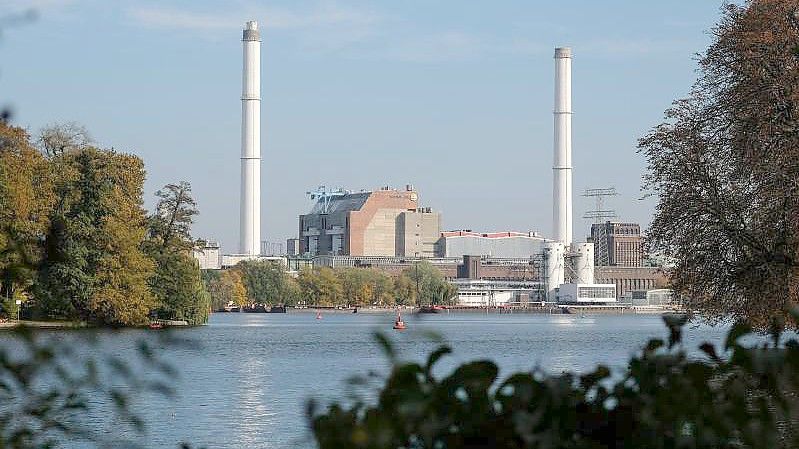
(343, 203)
(490, 235)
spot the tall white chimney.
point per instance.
(250, 242)
(562, 166)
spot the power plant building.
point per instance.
(495, 244)
(617, 244)
(385, 222)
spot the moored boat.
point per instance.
(431, 309)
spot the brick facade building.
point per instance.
(384, 222)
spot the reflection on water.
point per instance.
(246, 383)
(252, 396)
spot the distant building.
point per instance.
(292, 247)
(486, 293)
(272, 248)
(586, 294)
(384, 222)
(417, 233)
(493, 244)
(629, 279)
(617, 244)
(207, 254)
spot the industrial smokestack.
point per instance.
(250, 236)
(562, 166)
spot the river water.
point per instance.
(245, 381)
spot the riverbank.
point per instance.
(548, 309)
(11, 324)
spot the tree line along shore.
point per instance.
(267, 283)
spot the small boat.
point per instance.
(318, 315)
(399, 324)
(431, 309)
(155, 325)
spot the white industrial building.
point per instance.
(506, 245)
(586, 294)
(208, 256)
(485, 293)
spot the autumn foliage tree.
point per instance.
(26, 197)
(75, 238)
(94, 267)
(725, 169)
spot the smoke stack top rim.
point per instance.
(563, 52)
(251, 32)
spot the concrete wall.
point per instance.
(514, 246)
(372, 229)
(417, 233)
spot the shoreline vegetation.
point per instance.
(266, 283)
(77, 245)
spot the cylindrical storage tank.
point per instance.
(554, 269)
(583, 262)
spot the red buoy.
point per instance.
(399, 324)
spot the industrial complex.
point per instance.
(388, 228)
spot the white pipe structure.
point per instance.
(250, 243)
(562, 165)
(554, 270)
(583, 263)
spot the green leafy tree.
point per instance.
(427, 284)
(225, 287)
(383, 289)
(265, 281)
(177, 283)
(724, 167)
(179, 289)
(292, 292)
(321, 286)
(94, 267)
(405, 290)
(26, 200)
(170, 225)
(365, 286)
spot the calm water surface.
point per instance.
(245, 382)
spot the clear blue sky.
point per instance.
(452, 96)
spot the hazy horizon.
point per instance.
(453, 98)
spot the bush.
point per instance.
(735, 397)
